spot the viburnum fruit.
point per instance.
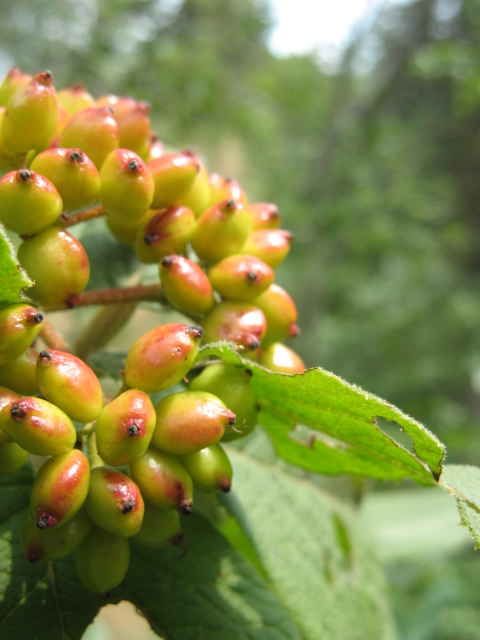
(20, 324)
(210, 469)
(159, 527)
(185, 285)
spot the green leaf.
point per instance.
(315, 551)
(108, 363)
(319, 422)
(12, 278)
(463, 482)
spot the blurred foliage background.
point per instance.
(375, 167)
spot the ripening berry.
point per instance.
(239, 322)
(8, 161)
(133, 122)
(190, 421)
(31, 115)
(241, 277)
(75, 98)
(186, 285)
(197, 197)
(7, 396)
(160, 527)
(59, 489)
(163, 481)
(12, 458)
(58, 264)
(63, 119)
(221, 231)
(264, 215)
(102, 560)
(165, 231)
(38, 426)
(125, 427)
(20, 324)
(94, 131)
(281, 359)
(73, 174)
(232, 385)
(56, 542)
(225, 189)
(270, 245)
(19, 373)
(29, 202)
(126, 232)
(70, 384)
(173, 174)
(161, 357)
(13, 81)
(127, 185)
(210, 469)
(155, 148)
(280, 312)
(114, 502)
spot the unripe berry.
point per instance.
(7, 396)
(56, 542)
(264, 215)
(220, 231)
(73, 174)
(125, 427)
(281, 359)
(126, 232)
(31, 115)
(114, 502)
(185, 285)
(59, 489)
(12, 458)
(19, 373)
(8, 161)
(59, 265)
(280, 312)
(75, 98)
(173, 174)
(270, 245)
(198, 196)
(160, 527)
(162, 356)
(38, 426)
(166, 231)
(225, 189)
(163, 481)
(20, 324)
(69, 383)
(102, 560)
(13, 81)
(241, 277)
(190, 421)
(232, 385)
(133, 122)
(29, 202)
(240, 322)
(210, 469)
(94, 131)
(127, 185)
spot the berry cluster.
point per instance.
(123, 468)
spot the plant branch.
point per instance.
(102, 327)
(82, 216)
(152, 292)
(53, 338)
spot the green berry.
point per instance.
(232, 385)
(20, 324)
(126, 232)
(19, 373)
(222, 189)
(162, 356)
(59, 265)
(114, 502)
(173, 174)
(56, 542)
(160, 527)
(210, 469)
(133, 122)
(270, 245)
(38, 426)
(102, 560)
(75, 98)
(163, 481)
(70, 384)
(59, 489)
(190, 421)
(185, 285)
(7, 396)
(125, 427)
(239, 322)
(166, 231)
(31, 115)
(72, 173)
(198, 196)
(13, 81)
(12, 458)
(281, 359)
(8, 161)
(29, 202)
(241, 277)
(280, 312)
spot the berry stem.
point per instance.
(95, 460)
(153, 292)
(83, 216)
(103, 326)
(53, 338)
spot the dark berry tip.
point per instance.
(45, 354)
(76, 156)
(195, 332)
(186, 508)
(133, 165)
(225, 487)
(132, 430)
(38, 317)
(48, 74)
(231, 204)
(249, 372)
(149, 239)
(25, 174)
(231, 422)
(167, 261)
(110, 109)
(17, 412)
(41, 524)
(254, 344)
(251, 275)
(128, 506)
(72, 302)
